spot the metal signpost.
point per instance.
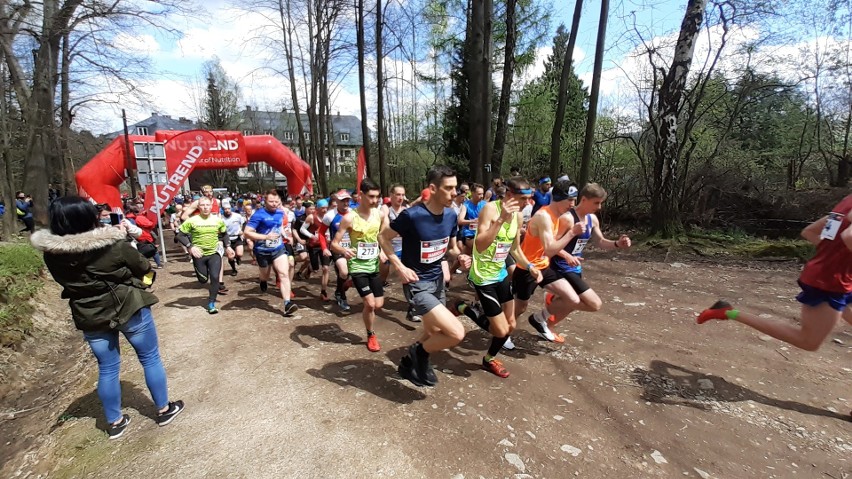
(151, 165)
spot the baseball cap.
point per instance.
(564, 190)
(323, 203)
(341, 194)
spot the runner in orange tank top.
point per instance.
(539, 245)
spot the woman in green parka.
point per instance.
(102, 277)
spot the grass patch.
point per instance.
(20, 280)
(734, 243)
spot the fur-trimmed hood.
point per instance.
(93, 240)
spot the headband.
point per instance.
(544, 180)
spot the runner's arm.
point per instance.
(489, 226)
(189, 210)
(386, 236)
(846, 236)
(552, 246)
(345, 223)
(598, 239)
(252, 234)
(184, 234)
(521, 259)
(453, 253)
(812, 231)
(305, 230)
(321, 233)
(566, 222)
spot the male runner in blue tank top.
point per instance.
(469, 216)
(428, 232)
(569, 262)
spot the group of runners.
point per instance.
(503, 250)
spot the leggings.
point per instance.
(207, 269)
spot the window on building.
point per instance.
(344, 137)
(248, 133)
(269, 132)
(307, 136)
(347, 153)
(141, 130)
(288, 135)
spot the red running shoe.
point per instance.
(292, 294)
(373, 343)
(548, 298)
(717, 311)
(495, 367)
(324, 295)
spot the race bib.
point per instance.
(397, 244)
(502, 252)
(473, 226)
(832, 226)
(345, 242)
(272, 243)
(434, 250)
(368, 251)
(580, 246)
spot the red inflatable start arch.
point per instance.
(101, 177)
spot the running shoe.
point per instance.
(495, 367)
(373, 343)
(406, 371)
(385, 284)
(509, 344)
(211, 308)
(717, 311)
(422, 369)
(477, 310)
(544, 331)
(223, 289)
(341, 301)
(292, 294)
(290, 308)
(264, 286)
(171, 413)
(324, 295)
(548, 298)
(234, 272)
(414, 318)
(458, 307)
(115, 431)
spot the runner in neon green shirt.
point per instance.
(496, 238)
(201, 235)
(363, 256)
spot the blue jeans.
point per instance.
(142, 335)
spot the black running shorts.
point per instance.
(576, 281)
(493, 296)
(524, 285)
(368, 283)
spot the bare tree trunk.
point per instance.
(287, 30)
(7, 183)
(69, 183)
(505, 88)
(665, 218)
(362, 83)
(592, 117)
(485, 85)
(474, 46)
(567, 64)
(380, 98)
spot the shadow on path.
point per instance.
(329, 333)
(132, 396)
(369, 375)
(666, 383)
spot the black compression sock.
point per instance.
(233, 263)
(340, 282)
(482, 321)
(496, 344)
(421, 353)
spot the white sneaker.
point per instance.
(509, 344)
(541, 327)
(458, 271)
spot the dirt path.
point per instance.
(637, 390)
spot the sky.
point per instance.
(227, 33)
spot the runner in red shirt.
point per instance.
(826, 284)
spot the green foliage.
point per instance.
(20, 280)
(528, 147)
(732, 243)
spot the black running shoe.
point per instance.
(116, 430)
(290, 308)
(422, 369)
(264, 286)
(341, 301)
(406, 371)
(171, 413)
(414, 318)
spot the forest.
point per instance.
(737, 118)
